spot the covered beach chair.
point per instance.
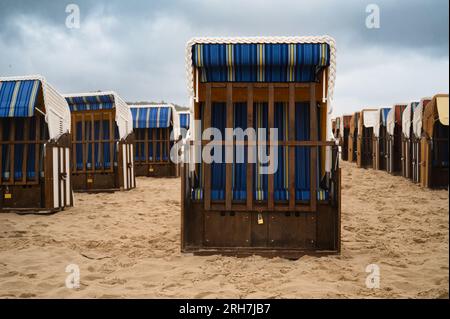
(156, 127)
(379, 139)
(344, 133)
(34, 146)
(253, 84)
(102, 142)
(366, 123)
(353, 138)
(416, 137)
(394, 139)
(407, 129)
(434, 143)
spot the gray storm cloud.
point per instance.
(137, 47)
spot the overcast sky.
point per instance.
(137, 47)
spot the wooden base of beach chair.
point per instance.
(273, 233)
(26, 197)
(31, 211)
(157, 170)
(292, 254)
(100, 182)
(280, 232)
(50, 192)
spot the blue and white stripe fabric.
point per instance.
(151, 117)
(185, 120)
(270, 62)
(18, 98)
(91, 103)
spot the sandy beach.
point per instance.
(127, 244)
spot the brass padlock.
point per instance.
(260, 219)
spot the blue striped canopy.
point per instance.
(151, 117)
(185, 120)
(18, 98)
(384, 113)
(91, 103)
(271, 62)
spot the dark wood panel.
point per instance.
(260, 231)
(227, 229)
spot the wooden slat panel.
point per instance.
(74, 143)
(83, 138)
(48, 185)
(313, 152)
(279, 143)
(271, 106)
(100, 144)
(92, 143)
(161, 159)
(37, 148)
(229, 167)
(1, 148)
(154, 136)
(250, 165)
(168, 143)
(26, 135)
(256, 85)
(146, 149)
(58, 176)
(112, 139)
(12, 135)
(259, 207)
(207, 167)
(291, 152)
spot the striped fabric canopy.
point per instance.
(90, 103)
(18, 98)
(185, 120)
(151, 117)
(270, 62)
